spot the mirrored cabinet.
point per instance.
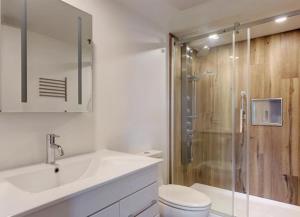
(46, 57)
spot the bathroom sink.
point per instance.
(26, 189)
(46, 176)
(120, 161)
(52, 176)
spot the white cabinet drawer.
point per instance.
(112, 211)
(149, 212)
(143, 203)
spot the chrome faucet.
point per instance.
(51, 147)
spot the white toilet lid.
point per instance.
(183, 197)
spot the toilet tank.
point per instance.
(155, 154)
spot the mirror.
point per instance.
(46, 57)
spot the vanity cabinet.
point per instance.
(133, 195)
(143, 203)
(112, 211)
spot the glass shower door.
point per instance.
(241, 70)
(204, 120)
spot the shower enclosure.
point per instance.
(235, 105)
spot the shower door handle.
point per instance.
(242, 111)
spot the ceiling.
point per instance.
(184, 17)
(261, 30)
(186, 4)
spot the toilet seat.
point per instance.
(185, 198)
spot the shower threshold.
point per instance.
(258, 207)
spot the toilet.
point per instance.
(180, 201)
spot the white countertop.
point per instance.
(104, 166)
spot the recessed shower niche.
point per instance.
(267, 112)
(46, 60)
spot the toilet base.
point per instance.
(168, 211)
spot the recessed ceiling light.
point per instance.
(231, 57)
(280, 19)
(206, 47)
(214, 37)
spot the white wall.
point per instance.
(130, 79)
(130, 94)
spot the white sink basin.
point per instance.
(25, 189)
(50, 177)
(46, 177)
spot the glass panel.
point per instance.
(264, 65)
(210, 116)
(274, 150)
(241, 59)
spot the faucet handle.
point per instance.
(53, 135)
(60, 150)
(51, 138)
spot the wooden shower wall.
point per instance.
(274, 151)
(212, 141)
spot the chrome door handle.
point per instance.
(242, 111)
(153, 202)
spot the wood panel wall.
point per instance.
(213, 140)
(274, 151)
